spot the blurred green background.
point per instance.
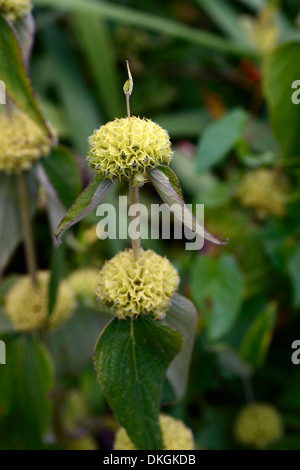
(210, 73)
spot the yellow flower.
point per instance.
(27, 306)
(176, 436)
(22, 142)
(83, 281)
(265, 191)
(14, 9)
(137, 287)
(125, 147)
(258, 425)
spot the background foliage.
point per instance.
(217, 75)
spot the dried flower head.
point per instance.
(176, 436)
(137, 287)
(258, 425)
(22, 142)
(83, 281)
(15, 9)
(265, 191)
(125, 147)
(27, 305)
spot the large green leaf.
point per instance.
(25, 384)
(147, 20)
(258, 338)
(131, 360)
(88, 200)
(217, 287)
(13, 73)
(167, 185)
(281, 69)
(182, 315)
(294, 272)
(219, 138)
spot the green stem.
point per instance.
(134, 199)
(27, 228)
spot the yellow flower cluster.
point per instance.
(22, 142)
(127, 147)
(137, 287)
(27, 306)
(265, 191)
(83, 281)
(14, 9)
(258, 425)
(176, 436)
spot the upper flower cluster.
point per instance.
(15, 9)
(127, 147)
(137, 287)
(175, 434)
(27, 305)
(22, 142)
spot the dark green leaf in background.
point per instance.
(13, 73)
(281, 69)
(25, 385)
(131, 359)
(219, 138)
(256, 343)
(217, 287)
(294, 272)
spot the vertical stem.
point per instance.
(27, 227)
(136, 241)
(128, 106)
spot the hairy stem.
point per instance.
(136, 237)
(27, 228)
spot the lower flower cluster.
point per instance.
(134, 287)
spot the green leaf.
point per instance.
(257, 340)
(88, 200)
(219, 138)
(170, 196)
(281, 69)
(64, 174)
(131, 360)
(13, 73)
(217, 288)
(149, 21)
(26, 382)
(174, 181)
(294, 272)
(182, 315)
